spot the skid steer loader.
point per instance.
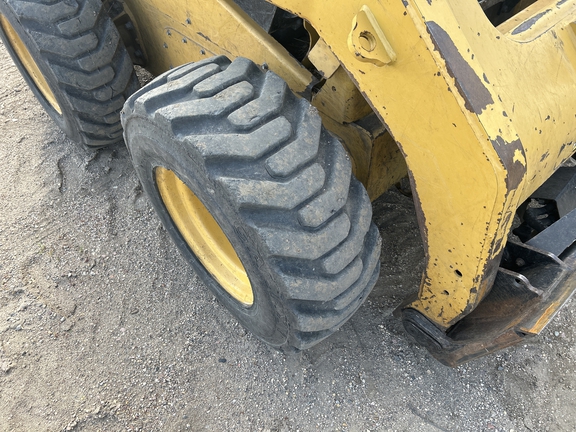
(271, 126)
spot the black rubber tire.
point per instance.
(276, 181)
(80, 55)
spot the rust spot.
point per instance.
(475, 94)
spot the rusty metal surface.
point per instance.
(174, 32)
(521, 303)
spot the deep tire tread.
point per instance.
(90, 65)
(42, 12)
(335, 193)
(286, 177)
(302, 150)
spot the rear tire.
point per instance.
(71, 56)
(278, 185)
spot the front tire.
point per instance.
(228, 153)
(70, 54)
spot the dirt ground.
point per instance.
(103, 326)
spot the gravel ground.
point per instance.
(103, 327)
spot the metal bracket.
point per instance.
(367, 40)
(551, 227)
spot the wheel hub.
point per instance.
(28, 62)
(204, 236)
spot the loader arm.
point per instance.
(483, 116)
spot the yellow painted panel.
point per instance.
(529, 82)
(175, 32)
(387, 166)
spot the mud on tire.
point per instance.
(78, 52)
(277, 183)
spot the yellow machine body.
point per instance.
(479, 116)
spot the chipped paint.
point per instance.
(476, 96)
(519, 157)
(528, 24)
(513, 156)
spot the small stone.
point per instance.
(222, 360)
(66, 325)
(528, 423)
(556, 333)
(6, 366)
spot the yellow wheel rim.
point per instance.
(204, 236)
(29, 63)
